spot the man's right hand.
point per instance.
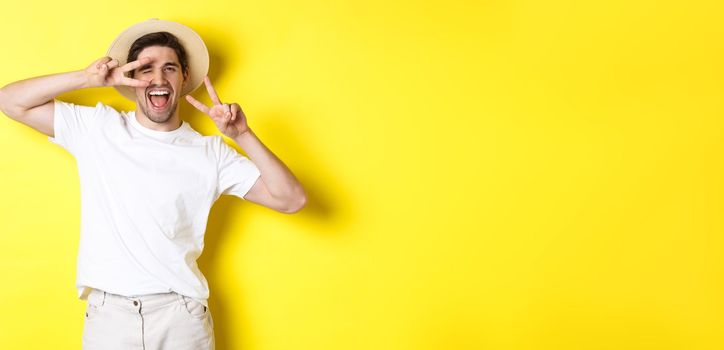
(30, 101)
(106, 72)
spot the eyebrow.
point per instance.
(174, 64)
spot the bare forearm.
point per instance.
(277, 188)
(32, 92)
(279, 180)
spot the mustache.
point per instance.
(151, 87)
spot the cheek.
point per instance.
(141, 97)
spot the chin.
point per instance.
(159, 118)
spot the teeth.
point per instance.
(158, 93)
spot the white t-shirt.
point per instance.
(145, 199)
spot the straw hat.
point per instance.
(196, 52)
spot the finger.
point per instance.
(112, 64)
(200, 106)
(103, 73)
(235, 109)
(102, 61)
(212, 92)
(134, 82)
(135, 64)
(227, 111)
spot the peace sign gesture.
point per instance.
(106, 72)
(229, 118)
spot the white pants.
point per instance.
(147, 322)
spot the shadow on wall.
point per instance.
(319, 209)
(291, 150)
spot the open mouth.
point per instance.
(159, 98)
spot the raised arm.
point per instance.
(30, 101)
(277, 188)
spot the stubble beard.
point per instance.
(159, 119)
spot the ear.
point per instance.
(186, 77)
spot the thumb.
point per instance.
(101, 61)
(103, 71)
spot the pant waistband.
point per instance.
(141, 303)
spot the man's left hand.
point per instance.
(229, 118)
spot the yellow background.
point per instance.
(481, 175)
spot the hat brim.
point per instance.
(196, 52)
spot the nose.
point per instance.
(157, 77)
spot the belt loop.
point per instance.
(103, 301)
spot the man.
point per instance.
(148, 181)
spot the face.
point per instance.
(160, 99)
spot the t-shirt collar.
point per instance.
(156, 133)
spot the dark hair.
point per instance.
(165, 39)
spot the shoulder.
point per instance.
(216, 143)
(222, 151)
(99, 105)
(209, 142)
(81, 109)
(103, 108)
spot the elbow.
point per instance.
(7, 108)
(296, 204)
(3, 102)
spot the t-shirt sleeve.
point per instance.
(236, 173)
(71, 124)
